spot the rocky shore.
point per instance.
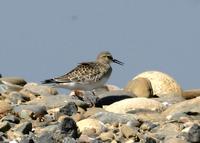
(151, 108)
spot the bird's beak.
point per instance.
(117, 62)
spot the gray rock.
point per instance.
(40, 89)
(46, 137)
(4, 126)
(33, 111)
(11, 119)
(166, 131)
(193, 135)
(24, 128)
(16, 97)
(189, 107)
(13, 80)
(69, 109)
(170, 99)
(109, 117)
(29, 138)
(56, 101)
(108, 98)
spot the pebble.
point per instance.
(111, 118)
(141, 87)
(193, 135)
(132, 104)
(30, 111)
(24, 128)
(69, 128)
(128, 131)
(91, 124)
(40, 89)
(11, 119)
(13, 80)
(56, 101)
(69, 109)
(4, 126)
(17, 98)
(106, 136)
(5, 107)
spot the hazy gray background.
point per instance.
(43, 39)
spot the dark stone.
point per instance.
(69, 128)
(25, 128)
(194, 134)
(11, 119)
(69, 109)
(150, 140)
(4, 126)
(2, 137)
(46, 138)
(108, 98)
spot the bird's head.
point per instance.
(107, 58)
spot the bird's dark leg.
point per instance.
(78, 94)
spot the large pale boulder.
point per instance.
(162, 83)
(132, 104)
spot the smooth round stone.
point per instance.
(40, 89)
(161, 83)
(91, 124)
(132, 104)
(5, 107)
(183, 108)
(13, 80)
(141, 87)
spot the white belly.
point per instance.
(86, 86)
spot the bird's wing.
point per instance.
(84, 72)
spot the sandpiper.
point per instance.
(86, 76)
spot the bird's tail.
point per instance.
(48, 81)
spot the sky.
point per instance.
(42, 39)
